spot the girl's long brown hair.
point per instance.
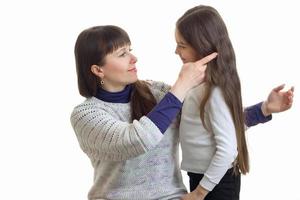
(203, 28)
(92, 45)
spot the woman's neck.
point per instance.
(121, 96)
(113, 88)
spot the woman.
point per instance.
(120, 127)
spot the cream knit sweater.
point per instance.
(131, 160)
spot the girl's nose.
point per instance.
(176, 51)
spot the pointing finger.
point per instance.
(206, 59)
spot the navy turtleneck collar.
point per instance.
(115, 97)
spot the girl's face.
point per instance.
(119, 69)
(184, 50)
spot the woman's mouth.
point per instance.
(132, 69)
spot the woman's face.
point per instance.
(184, 50)
(119, 69)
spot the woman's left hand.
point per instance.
(278, 100)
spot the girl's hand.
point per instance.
(198, 194)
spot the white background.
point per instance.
(39, 153)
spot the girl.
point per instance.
(212, 132)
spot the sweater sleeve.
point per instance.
(254, 115)
(101, 136)
(223, 131)
(165, 111)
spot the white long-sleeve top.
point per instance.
(207, 152)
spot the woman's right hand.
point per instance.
(191, 75)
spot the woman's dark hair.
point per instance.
(91, 48)
(204, 30)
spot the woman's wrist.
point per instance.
(179, 89)
(264, 109)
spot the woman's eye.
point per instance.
(123, 54)
(126, 52)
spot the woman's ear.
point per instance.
(97, 70)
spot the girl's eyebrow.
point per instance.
(181, 43)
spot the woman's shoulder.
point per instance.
(88, 102)
(158, 88)
(95, 106)
(88, 105)
(95, 109)
(158, 85)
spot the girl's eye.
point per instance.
(180, 46)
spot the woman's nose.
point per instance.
(133, 58)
